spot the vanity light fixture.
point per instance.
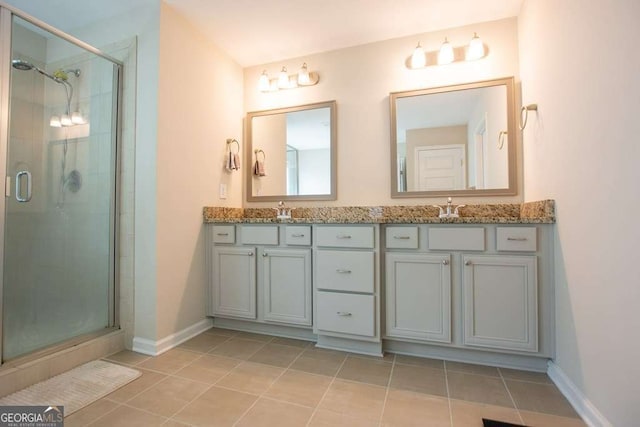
(283, 79)
(447, 54)
(418, 59)
(304, 77)
(55, 122)
(476, 48)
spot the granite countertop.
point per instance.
(539, 212)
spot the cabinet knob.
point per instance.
(250, 253)
(467, 263)
(343, 313)
(445, 262)
(264, 254)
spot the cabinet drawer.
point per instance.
(297, 235)
(345, 237)
(224, 234)
(259, 234)
(456, 239)
(520, 239)
(346, 313)
(402, 237)
(350, 271)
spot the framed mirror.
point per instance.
(454, 140)
(291, 153)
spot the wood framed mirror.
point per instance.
(455, 140)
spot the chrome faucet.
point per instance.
(447, 213)
(283, 212)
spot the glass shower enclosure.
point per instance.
(59, 155)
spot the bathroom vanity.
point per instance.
(368, 280)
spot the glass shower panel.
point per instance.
(58, 248)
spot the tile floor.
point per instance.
(228, 378)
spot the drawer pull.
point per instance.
(343, 313)
(222, 234)
(402, 237)
(445, 262)
(343, 236)
(264, 254)
(517, 239)
(467, 263)
(250, 253)
(297, 235)
(342, 271)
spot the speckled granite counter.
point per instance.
(539, 212)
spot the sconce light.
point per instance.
(55, 122)
(304, 77)
(447, 54)
(418, 59)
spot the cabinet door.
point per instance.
(501, 302)
(234, 282)
(287, 285)
(418, 296)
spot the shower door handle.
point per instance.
(19, 186)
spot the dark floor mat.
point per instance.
(493, 423)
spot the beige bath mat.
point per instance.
(76, 388)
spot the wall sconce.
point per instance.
(66, 120)
(447, 54)
(303, 77)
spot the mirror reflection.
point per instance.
(292, 153)
(453, 140)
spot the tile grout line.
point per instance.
(446, 383)
(386, 394)
(511, 397)
(327, 390)
(272, 382)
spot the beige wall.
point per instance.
(199, 107)
(360, 79)
(579, 64)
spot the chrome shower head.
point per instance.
(19, 64)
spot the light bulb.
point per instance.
(283, 79)
(65, 120)
(77, 119)
(303, 75)
(445, 55)
(418, 59)
(264, 85)
(476, 48)
(54, 122)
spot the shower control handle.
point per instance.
(19, 197)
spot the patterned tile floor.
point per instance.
(228, 378)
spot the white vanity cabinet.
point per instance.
(346, 288)
(475, 292)
(263, 274)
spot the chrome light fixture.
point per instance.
(304, 77)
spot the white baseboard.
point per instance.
(155, 348)
(576, 397)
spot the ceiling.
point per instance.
(261, 31)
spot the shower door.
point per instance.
(58, 271)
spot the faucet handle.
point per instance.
(440, 210)
(455, 211)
